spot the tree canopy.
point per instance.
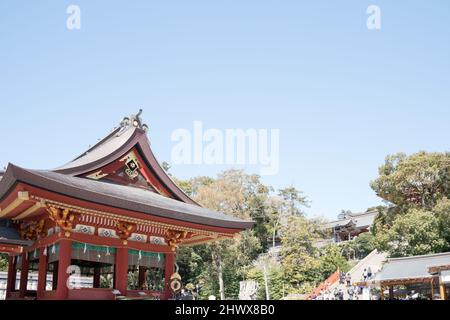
(417, 189)
(219, 267)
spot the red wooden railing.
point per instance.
(325, 285)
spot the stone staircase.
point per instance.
(374, 260)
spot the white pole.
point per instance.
(266, 281)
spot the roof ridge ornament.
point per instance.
(135, 121)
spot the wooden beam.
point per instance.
(22, 196)
(100, 241)
(391, 293)
(156, 220)
(406, 281)
(204, 240)
(37, 206)
(11, 249)
(437, 269)
(432, 289)
(442, 291)
(198, 242)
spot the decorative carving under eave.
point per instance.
(124, 230)
(32, 230)
(174, 238)
(63, 219)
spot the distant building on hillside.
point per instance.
(350, 225)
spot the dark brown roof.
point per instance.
(113, 147)
(131, 135)
(118, 196)
(9, 235)
(100, 154)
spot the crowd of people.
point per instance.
(347, 290)
(345, 281)
(339, 294)
(367, 274)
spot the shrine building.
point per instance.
(112, 215)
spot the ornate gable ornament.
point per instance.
(135, 121)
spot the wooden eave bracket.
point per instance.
(22, 196)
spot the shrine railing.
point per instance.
(333, 279)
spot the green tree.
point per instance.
(300, 264)
(359, 247)
(414, 233)
(331, 259)
(294, 200)
(288, 203)
(3, 262)
(418, 180)
(442, 210)
(222, 264)
(417, 187)
(364, 244)
(277, 282)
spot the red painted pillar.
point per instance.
(55, 276)
(24, 275)
(64, 260)
(11, 282)
(141, 278)
(121, 271)
(97, 277)
(169, 271)
(42, 276)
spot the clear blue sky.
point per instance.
(343, 96)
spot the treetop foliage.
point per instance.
(417, 190)
(278, 216)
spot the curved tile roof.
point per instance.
(416, 267)
(116, 145)
(359, 220)
(101, 150)
(119, 196)
(131, 134)
(10, 235)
